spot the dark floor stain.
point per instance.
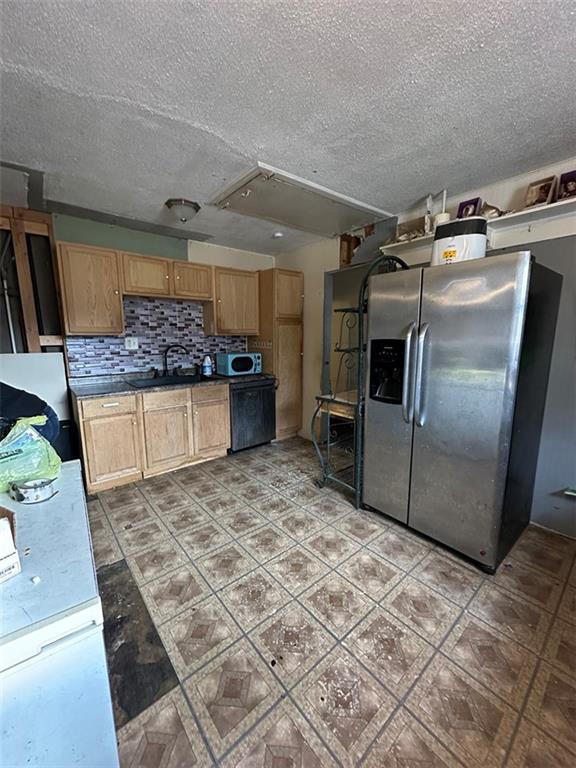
(139, 669)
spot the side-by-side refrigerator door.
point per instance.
(393, 307)
(471, 324)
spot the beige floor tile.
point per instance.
(400, 550)
(405, 743)
(124, 496)
(231, 694)
(552, 705)
(534, 586)
(284, 739)
(331, 546)
(223, 504)
(534, 749)
(567, 608)
(336, 603)
(142, 536)
(234, 478)
(203, 539)
(95, 508)
(198, 634)
(240, 521)
(274, 506)
(158, 486)
(504, 666)
(545, 538)
(303, 493)
(175, 499)
(266, 542)
(425, 611)
(551, 560)
(345, 704)
(370, 573)
(202, 490)
(170, 594)
(253, 491)
(179, 520)
(292, 642)
(296, 569)
(163, 736)
(560, 650)
(445, 575)
(392, 652)
(126, 518)
(328, 508)
(106, 550)
(225, 565)
(156, 561)
(300, 525)
(254, 597)
(511, 615)
(99, 526)
(468, 719)
(359, 527)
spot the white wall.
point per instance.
(221, 256)
(313, 260)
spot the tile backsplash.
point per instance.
(157, 323)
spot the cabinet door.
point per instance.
(193, 281)
(167, 437)
(211, 425)
(91, 290)
(289, 373)
(145, 276)
(112, 449)
(289, 294)
(237, 302)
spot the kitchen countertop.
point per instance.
(118, 386)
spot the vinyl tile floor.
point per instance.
(303, 633)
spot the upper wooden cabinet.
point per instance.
(193, 281)
(145, 276)
(289, 290)
(91, 290)
(236, 304)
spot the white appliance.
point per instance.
(460, 240)
(54, 690)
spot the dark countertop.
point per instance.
(120, 386)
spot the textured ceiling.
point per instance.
(126, 103)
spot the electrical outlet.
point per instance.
(131, 342)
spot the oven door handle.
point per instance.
(407, 389)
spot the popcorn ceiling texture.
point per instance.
(157, 323)
(124, 104)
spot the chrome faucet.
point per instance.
(166, 351)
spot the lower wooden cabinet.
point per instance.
(289, 374)
(128, 437)
(112, 450)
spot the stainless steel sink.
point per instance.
(164, 381)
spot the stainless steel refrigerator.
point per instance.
(458, 361)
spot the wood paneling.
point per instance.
(25, 285)
(211, 392)
(193, 281)
(108, 406)
(289, 375)
(112, 450)
(167, 437)
(211, 425)
(237, 302)
(146, 276)
(91, 290)
(165, 398)
(289, 290)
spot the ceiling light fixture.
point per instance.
(278, 235)
(181, 208)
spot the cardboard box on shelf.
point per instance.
(9, 559)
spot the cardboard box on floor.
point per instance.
(9, 559)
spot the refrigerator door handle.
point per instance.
(419, 401)
(407, 400)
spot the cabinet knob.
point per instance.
(134, 423)
(219, 301)
(195, 413)
(167, 276)
(116, 292)
(177, 277)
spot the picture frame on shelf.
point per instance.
(567, 186)
(469, 208)
(540, 192)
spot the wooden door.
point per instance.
(289, 294)
(167, 437)
(112, 445)
(91, 290)
(211, 425)
(145, 276)
(237, 302)
(193, 281)
(289, 374)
